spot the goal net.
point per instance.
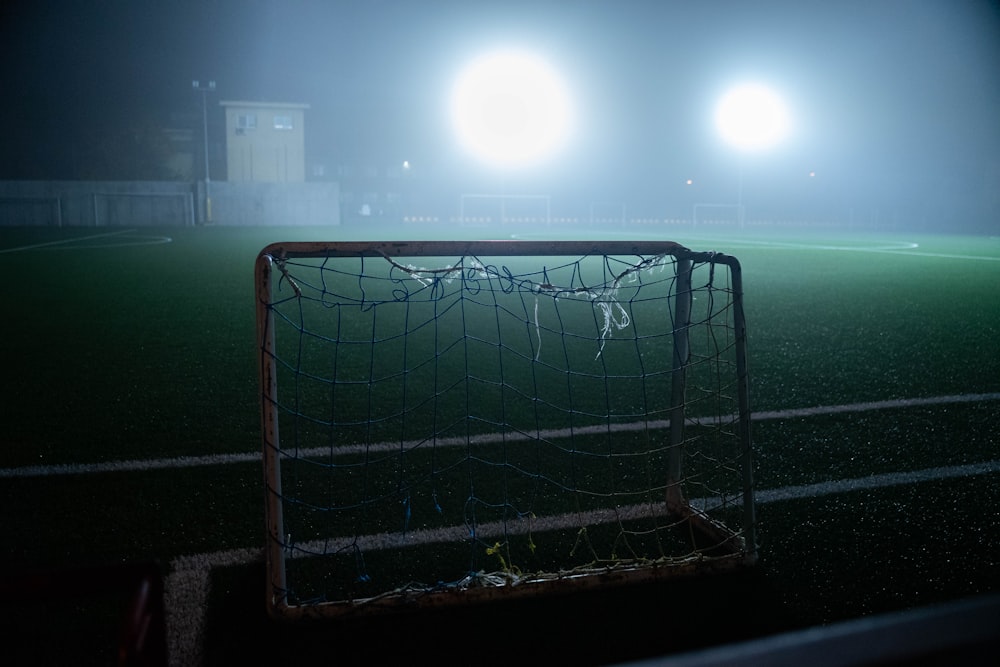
(479, 210)
(453, 421)
(719, 215)
(608, 213)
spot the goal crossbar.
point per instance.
(447, 422)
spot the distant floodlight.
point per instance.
(510, 109)
(752, 117)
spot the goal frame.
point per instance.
(740, 548)
(503, 200)
(740, 210)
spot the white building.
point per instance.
(265, 141)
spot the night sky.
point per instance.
(895, 98)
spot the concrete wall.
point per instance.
(164, 203)
(276, 203)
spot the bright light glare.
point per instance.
(752, 117)
(511, 109)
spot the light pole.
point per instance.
(205, 90)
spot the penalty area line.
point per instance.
(902, 248)
(65, 241)
(138, 240)
(890, 404)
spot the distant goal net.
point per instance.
(718, 215)
(480, 210)
(446, 422)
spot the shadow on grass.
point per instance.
(587, 628)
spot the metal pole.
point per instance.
(739, 197)
(204, 120)
(682, 355)
(277, 542)
(208, 180)
(743, 398)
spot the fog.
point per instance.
(894, 104)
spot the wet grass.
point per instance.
(145, 351)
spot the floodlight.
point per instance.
(511, 109)
(752, 117)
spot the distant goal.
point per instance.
(480, 210)
(447, 422)
(719, 215)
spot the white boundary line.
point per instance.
(140, 240)
(901, 248)
(885, 247)
(793, 413)
(73, 243)
(142, 465)
(64, 241)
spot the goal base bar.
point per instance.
(484, 588)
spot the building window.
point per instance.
(246, 121)
(282, 122)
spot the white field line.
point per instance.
(945, 255)
(185, 600)
(142, 465)
(875, 405)
(64, 241)
(907, 248)
(898, 246)
(140, 240)
(879, 481)
(186, 588)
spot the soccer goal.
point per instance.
(718, 215)
(447, 422)
(478, 210)
(605, 213)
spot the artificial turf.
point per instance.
(116, 351)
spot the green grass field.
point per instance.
(123, 347)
